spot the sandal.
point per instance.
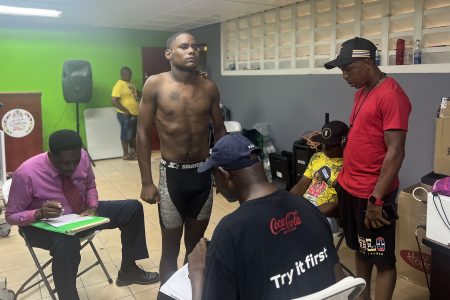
(126, 157)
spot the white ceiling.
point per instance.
(163, 15)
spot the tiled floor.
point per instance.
(118, 179)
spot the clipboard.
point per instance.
(73, 227)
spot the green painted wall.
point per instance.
(31, 59)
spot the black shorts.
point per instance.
(376, 246)
(184, 193)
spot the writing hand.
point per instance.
(50, 209)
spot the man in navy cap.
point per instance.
(276, 245)
(373, 155)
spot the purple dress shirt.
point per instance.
(37, 181)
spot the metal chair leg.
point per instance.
(40, 271)
(346, 270)
(100, 261)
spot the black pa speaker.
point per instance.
(77, 81)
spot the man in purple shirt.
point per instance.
(38, 191)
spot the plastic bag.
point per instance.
(442, 187)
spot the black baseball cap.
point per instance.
(352, 50)
(231, 152)
(332, 133)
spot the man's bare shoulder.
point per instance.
(208, 84)
(203, 81)
(157, 78)
(156, 82)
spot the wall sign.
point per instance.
(17, 123)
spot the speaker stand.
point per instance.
(78, 131)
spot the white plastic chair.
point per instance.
(5, 228)
(348, 288)
(5, 190)
(233, 126)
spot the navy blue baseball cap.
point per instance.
(231, 152)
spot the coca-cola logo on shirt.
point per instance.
(286, 224)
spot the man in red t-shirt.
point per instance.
(368, 182)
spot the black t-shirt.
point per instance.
(276, 247)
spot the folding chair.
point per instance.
(340, 235)
(87, 240)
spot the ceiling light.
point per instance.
(24, 11)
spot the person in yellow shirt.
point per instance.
(125, 99)
(317, 182)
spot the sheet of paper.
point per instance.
(65, 219)
(179, 285)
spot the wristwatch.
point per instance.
(375, 201)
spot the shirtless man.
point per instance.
(182, 104)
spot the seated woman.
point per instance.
(317, 182)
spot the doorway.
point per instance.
(153, 62)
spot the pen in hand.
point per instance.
(50, 209)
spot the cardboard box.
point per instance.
(411, 214)
(442, 139)
(444, 109)
(442, 147)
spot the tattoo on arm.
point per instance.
(174, 95)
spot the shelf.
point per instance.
(424, 68)
(300, 37)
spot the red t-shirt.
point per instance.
(386, 107)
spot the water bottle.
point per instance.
(378, 56)
(417, 53)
